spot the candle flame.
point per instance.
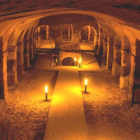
(79, 60)
(46, 89)
(86, 81)
(74, 59)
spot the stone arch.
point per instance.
(99, 49)
(31, 40)
(73, 55)
(88, 35)
(12, 54)
(20, 57)
(125, 63)
(67, 33)
(49, 35)
(20, 50)
(12, 59)
(104, 46)
(8, 41)
(108, 43)
(68, 61)
(26, 50)
(116, 66)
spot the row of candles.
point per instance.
(46, 89)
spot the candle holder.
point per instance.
(85, 88)
(86, 85)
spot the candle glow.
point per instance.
(79, 61)
(46, 89)
(86, 81)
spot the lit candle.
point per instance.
(79, 63)
(46, 92)
(86, 81)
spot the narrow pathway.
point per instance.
(66, 117)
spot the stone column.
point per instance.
(31, 49)
(125, 69)
(34, 44)
(47, 32)
(109, 53)
(131, 84)
(3, 75)
(39, 34)
(98, 42)
(12, 65)
(104, 51)
(115, 65)
(26, 55)
(20, 58)
(89, 33)
(69, 32)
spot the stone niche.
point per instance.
(73, 55)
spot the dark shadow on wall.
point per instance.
(68, 61)
(99, 57)
(128, 6)
(4, 1)
(137, 60)
(136, 86)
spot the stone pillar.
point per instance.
(109, 53)
(31, 49)
(131, 84)
(115, 65)
(3, 75)
(47, 32)
(89, 33)
(104, 51)
(12, 65)
(34, 44)
(98, 42)
(26, 55)
(20, 58)
(39, 34)
(125, 69)
(69, 32)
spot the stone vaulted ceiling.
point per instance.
(128, 10)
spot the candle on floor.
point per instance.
(79, 63)
(46, 92)
(86, 81)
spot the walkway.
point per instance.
(66, 116)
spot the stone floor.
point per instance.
(66, 117)
(107, 109)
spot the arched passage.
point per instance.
(88, 38)
(68, 61)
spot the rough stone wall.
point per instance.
(127, 34)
